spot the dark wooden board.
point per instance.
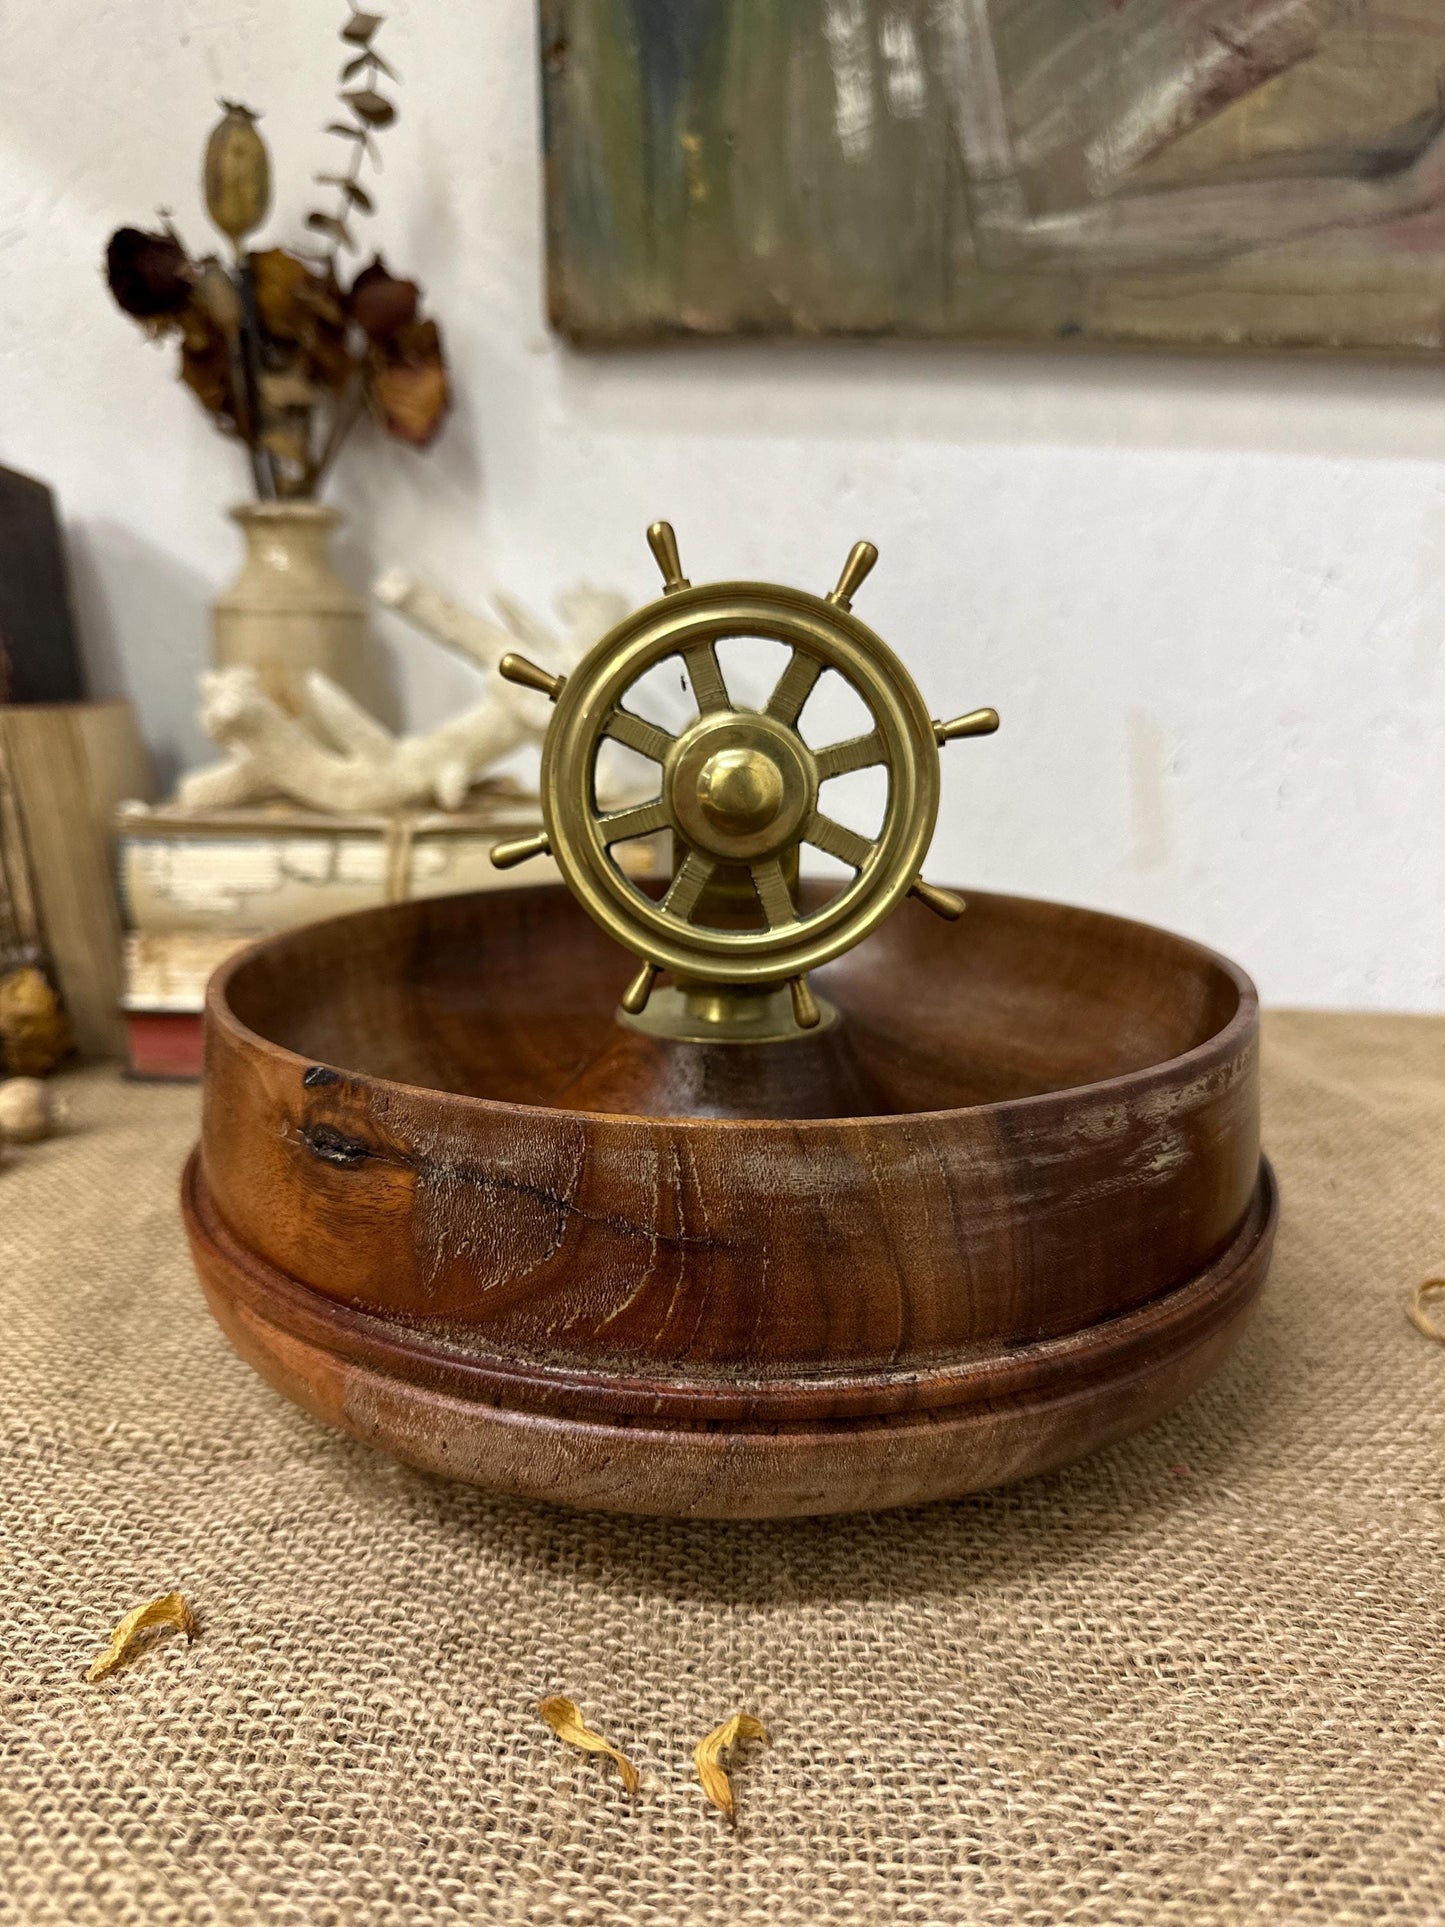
(39, 659)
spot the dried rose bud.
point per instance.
(150, 275)
(381, 303)
(237, 173)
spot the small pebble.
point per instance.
(27, 1112)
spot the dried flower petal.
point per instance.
(302, 311)
(150, 275)
(568, 1724)
(412, 399)
(285, 388)
(278, 278)
(382, 302)
(373, 60)
(353, 190)
(170, 1610)
(206, 366)
(370, 106)
(369, 62)
(408, 383)
(321, 297)
(331, 224)
(707, 1757)
(237, 173)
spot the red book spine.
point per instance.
(164, 1043)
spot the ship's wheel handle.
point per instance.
(739, 788)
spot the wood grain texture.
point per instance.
(66, 767)
(1056, 1206)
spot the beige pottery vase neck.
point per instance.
(288, 611)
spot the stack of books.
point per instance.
(197, 885)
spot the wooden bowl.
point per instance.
(1050, 1229)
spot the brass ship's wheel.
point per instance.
(740, 791)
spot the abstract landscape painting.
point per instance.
(1194, 173)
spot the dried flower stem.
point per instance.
(368, 108)
(345, 414)
(345, 190)
(263, 468)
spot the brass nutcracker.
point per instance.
(741, 793)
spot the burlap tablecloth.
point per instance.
(1195, 1679)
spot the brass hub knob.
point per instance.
(739, 785)
(740, 790)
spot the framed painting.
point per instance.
(1184, 173)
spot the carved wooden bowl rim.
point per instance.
(1221, 1045)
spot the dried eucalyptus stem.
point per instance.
(368, 109)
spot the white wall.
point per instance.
(1207, 596)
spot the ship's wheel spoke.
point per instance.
(859, 752)
(688, 885)
(838, 840)
(646, 738)
(773, 894)
(794, 687)
(705, 673)
(638, 819)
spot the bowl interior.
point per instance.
(507, 994)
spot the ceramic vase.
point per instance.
(288, 611)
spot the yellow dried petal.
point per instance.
(1416, 1312)
(708, 1757)
(171, 1610)
(568, 1724)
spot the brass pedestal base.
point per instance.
(725, 1013)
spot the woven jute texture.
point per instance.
(1195, 1679)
